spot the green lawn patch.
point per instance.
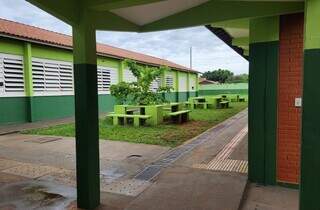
(166, 134)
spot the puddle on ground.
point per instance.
(35, 194)
(111, 174)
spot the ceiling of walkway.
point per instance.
(154, 15)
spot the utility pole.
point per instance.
(191, 57)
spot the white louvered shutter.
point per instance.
(106, 77)
(128, 76)
(52, 77)
(11, 75)
(169, 81)
(155, 85)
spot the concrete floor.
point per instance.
(37, 175)
(270, 198)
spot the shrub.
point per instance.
(139, 92)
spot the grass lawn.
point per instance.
(166, 135)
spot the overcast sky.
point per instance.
(208, 51)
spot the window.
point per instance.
(106, 77)
(128, 76)
(183, 83)
(11, 75)
(155, 85)
(169, 81)
(52, 77)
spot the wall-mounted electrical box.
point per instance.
(297, 102)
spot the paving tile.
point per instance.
(62, 176)
(30, 170)
(129, 187)
(5, 164)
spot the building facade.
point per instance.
(36, 74)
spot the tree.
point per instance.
(241, 78)
(139, 92)
(220, 75)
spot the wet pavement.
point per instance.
(39, 173)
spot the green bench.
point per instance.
(242, 99)
(224, 104)
(204, 104)
(122, 118)
(180, 116)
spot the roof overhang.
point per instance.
(155, 15)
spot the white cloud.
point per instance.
(209, 52)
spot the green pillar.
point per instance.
(121, 69)
(28, 83)
(188, 85)
(197, 85)
(163, 82)
(177, 85)
(263, 69)
(310, 155)
(86, 113)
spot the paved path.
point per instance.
(207, 172)
(270, 198)
(183, 185)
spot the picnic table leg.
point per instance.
(205, 106)
(136, 122)
(115, 120)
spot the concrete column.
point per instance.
(177, 85)
(120, 71)
(28, 82)
(310, 155)
(188, 85)
(86, 113)
(263, 69)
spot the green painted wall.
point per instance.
(263, 112)
(217, 92)
(310, 156)
(63, 106)
(13, 110)
(192, 94)
(106, 103)
(52, 107)
(232, 86)
(45, 52)
(183, 96)
(11, 46)
(108, 62)
(23, 109)
(216, 89)
(172, 97)
(263, 70)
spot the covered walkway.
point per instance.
(208, 172)
(276, 47)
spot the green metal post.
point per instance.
(310, 156)
(86, 113)
(263, 69)
(28, 83)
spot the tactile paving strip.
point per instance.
(30, 170)
(228, 165)
(129, 187)
(5, 164)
